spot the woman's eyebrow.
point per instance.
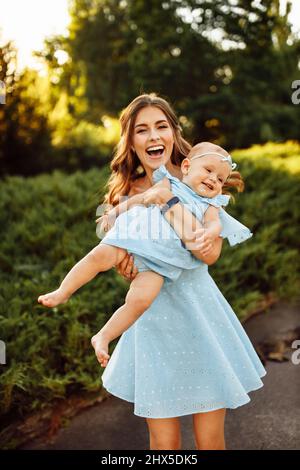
(157, 122)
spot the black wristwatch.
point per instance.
(169, 204)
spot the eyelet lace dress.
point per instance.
(188, 353)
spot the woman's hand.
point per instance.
(107, 220)
(203, 241)
(159, 193)
(127, 269)
(206, 251)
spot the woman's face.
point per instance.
(153, 138)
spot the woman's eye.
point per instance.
(141, 130)
(162, 127)
(207, 169)
(221, 181)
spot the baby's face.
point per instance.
(205, 175)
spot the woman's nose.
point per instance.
(153, 135)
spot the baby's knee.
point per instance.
(107, 255)
(138, 300)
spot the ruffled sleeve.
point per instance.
(217, 201)
(232, 229)
(161, 173)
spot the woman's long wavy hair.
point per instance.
(125, 165)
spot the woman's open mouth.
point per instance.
(155, 151)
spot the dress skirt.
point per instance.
(188, 353)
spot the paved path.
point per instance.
(269, 421)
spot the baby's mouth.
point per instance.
(209, 186)
(155, 150)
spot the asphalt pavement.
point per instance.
(269, 421)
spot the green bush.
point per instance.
(48, 225)
(269, 206)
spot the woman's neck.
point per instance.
(174, 170)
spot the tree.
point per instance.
(226, 66)
(25, 144)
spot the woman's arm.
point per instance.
(183, 222)
(107, 220)
(186, 225)
(181, 219)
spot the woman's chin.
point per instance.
(156, 161)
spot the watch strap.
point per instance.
(169, 204)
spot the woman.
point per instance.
(176, 359)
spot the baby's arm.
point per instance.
(212, 223)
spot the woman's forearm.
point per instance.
(129, 203)
(185, 223)
(213, 255)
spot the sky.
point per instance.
(28, 22)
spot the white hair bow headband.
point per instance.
(226, 158)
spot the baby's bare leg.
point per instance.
(101, 258)
(143, 290)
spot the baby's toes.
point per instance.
(47, 301)
(102, 355)
(104, 358)
(104, 363)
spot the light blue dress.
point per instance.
(144, 231)
(188, 353)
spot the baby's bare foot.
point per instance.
(52, 299)
(100, 343)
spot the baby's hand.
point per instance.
(53, 298)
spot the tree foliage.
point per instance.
(24, 131)
(226, 66)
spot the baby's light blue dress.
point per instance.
(144, 231)
(188, 353)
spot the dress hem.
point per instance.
(186, 412)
